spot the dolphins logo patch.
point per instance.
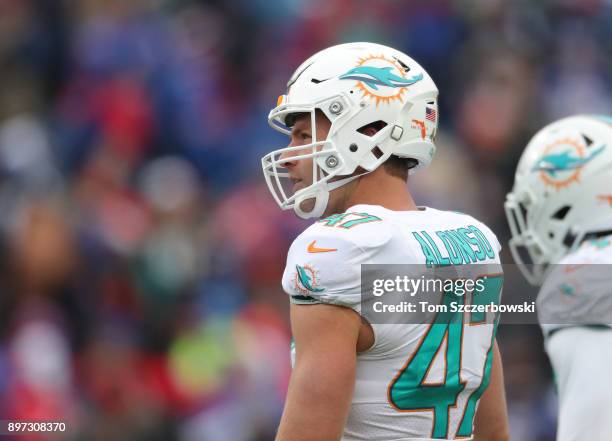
(306, 280)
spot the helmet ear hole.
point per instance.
(372, 128)
(562, 212)
(377, 152)
(569, 239)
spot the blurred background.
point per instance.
(140, 252)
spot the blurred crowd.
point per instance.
(140, 252)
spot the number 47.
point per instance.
(407, 392)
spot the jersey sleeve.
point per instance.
(324, 268)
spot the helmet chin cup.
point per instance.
(320, 196)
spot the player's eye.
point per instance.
(305, 136)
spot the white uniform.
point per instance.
(577, 297)
(417, 382)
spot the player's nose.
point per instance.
(287, 159)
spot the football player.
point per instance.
(360, 118)
(560, 215)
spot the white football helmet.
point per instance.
(354, 85)
(562, 192)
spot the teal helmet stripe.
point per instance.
(605, 118)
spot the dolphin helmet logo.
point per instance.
(562, 162)
(554, 163)
(381, 78)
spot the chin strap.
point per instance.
(321, 197)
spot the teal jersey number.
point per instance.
(491, 293)
(348, 220)
(407, 392)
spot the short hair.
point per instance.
(399, 167)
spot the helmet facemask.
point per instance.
(528, 250)
(329, 168)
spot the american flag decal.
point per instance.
(430, 114)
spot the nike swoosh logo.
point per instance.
(313, 249)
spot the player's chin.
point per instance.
(298, 185)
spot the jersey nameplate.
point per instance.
(454, 247)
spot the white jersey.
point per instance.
(581, 358)
(577, 291)
(418, 381)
